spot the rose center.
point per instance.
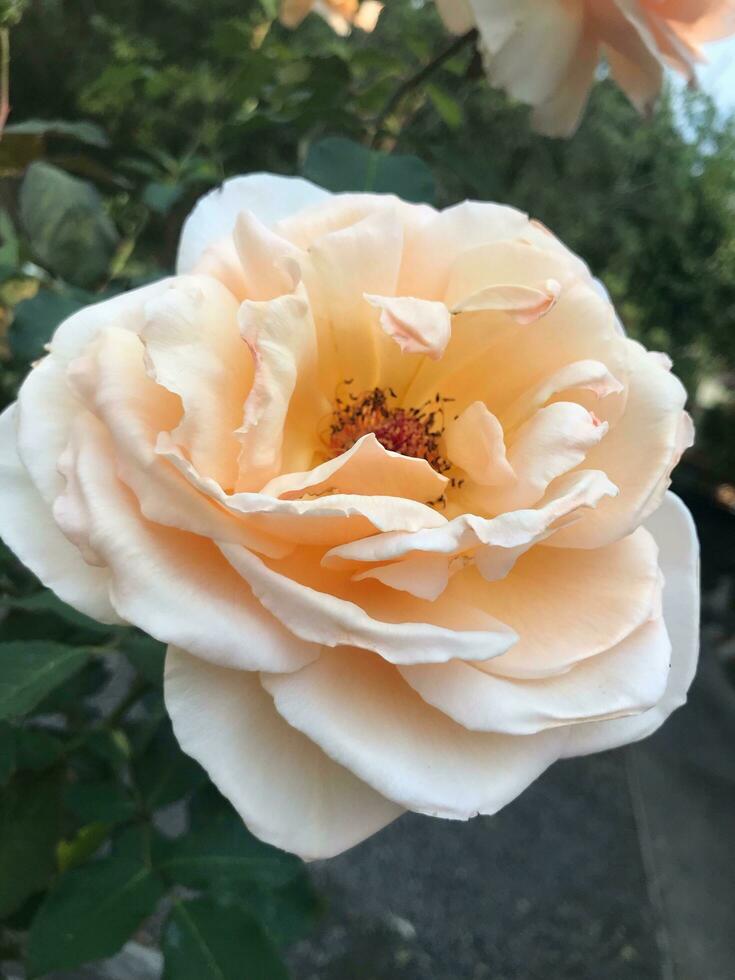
(410, 431)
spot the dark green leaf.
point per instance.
(219, 850)
(84, 132)
(101, 800)
(46, 602)
(146, 655)
(29, 671)
(90, 913)
(164, 774)
(207, 940)
(7, 751)
(36, 749)
(9, 250)
(160, 197)
(30, 809)
(341, 165)
(35, 320)
(68, 228)
(288, 913)
(82, 846)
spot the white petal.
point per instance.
(269, 197)
(673, 528)
(284, 787)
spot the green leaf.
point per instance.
(342, 165)
(69, 230)
(288, 913)
(36, 749)
(92, 911)
(146, 655)
(36, 319)
(207, 940)
(84, 132)
(46, 601)
(219, 851)
(87, 840)
(160, 197)
(30, 814)
(7, 752)
(10, 248)
(30, 671)
(164, 774)
(446, 105)
(103, 799)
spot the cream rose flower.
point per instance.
(545, 52)
(341, 15)
(390, 482)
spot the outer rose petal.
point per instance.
(283, 786)
(360, 711)
(26, 526)
(269, 197)
(673, 528)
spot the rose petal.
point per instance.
(673, 528)
(360, 711)
(288, 792)
(418, 326)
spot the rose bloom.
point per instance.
(545, 52)
(341, 15)
(390, 482)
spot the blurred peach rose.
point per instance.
(545, 52)
(341, 15)
(392, 485)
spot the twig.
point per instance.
(406, 87)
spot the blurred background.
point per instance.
(617, 867)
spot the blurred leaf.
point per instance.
(446, 105)
(206, 940)
(86, 842)
(72, 697)
(287, 913)
(35, 319)
(90, 913)
(17, 152)
(46, 601)
(10, 249)
(341, 165)
(29, 671)
(7, 751)
(30, 815)
(160, 197)
(146, 655)
(36, 749)
(66, 223)
(85, 132)
(104, 800)
(218, 851)
(164, 774)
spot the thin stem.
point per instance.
(412, 83)
(4, 77)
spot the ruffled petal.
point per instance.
(360, 711)
(673, 528)
(28, 528)
(288, 792)
(269, 197)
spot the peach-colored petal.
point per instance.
(194, 350)
(673, 528)
(283, 786)
(475, 442)
(27, 526)
(364, 716)
(368, 15)
(626, 680)
(173, 585)
(423, 575)
(569, 607)
(418, 326)
(366, 468)
(280, 335)
(560, 113)
(525, 304)
(267, 261)
(444, 631)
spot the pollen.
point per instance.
(413, 431)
